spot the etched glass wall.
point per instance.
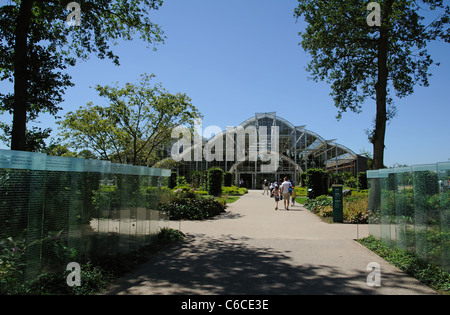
(55, 210)
(410, 207)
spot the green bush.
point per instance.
(93, 280)
(215, 181)
(355, 210)
(362, 181)
(317, 181)
(425, 272)
(181, 192)
(316, 205)
(201, 192)
(243, 191)
(198, 179)
(184, 188)
(193, 208)
(173, 180)
(228, 179)
(182, 181)
(167, 235)
(96, 275)
(355, 207)
(300, 191)
(303, 179)
(234, 191)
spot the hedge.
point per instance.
(215, 181)
(316, 179)
(228, 179)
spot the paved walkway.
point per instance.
(253, 249)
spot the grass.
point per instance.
(223, 199)
(301, 200)
(227, 199)
(425, 272)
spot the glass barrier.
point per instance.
(55, 210)
(410, 208)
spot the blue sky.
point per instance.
(238, 57)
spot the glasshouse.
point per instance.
(265, 146)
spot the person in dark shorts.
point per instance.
(276, 196)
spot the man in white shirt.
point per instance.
(285, 191)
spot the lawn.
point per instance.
(227, 199)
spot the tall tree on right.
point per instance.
(362, 58)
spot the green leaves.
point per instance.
(344, 49)
(409, 262)
(362, 62)
(192, 208)
(48, 46)
(137, 121)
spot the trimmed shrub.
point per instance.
(317, 181)
(362, 181)
(215, 181)
(173, 180)
(303, 179)
(228, 179)
(166, 236)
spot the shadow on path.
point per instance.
(227, 265)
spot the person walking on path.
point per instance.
(276, 196)
(266, 187)
(285, 193)
(293, 195)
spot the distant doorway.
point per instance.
(248, 180)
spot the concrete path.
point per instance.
(253, 249)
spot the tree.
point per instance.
(137, 122)
(367, 62)
(34, 137)
(36, 46)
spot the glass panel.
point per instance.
(373, 183)
(425, 185)
(444, 201)
(410, 206)
(404, 208)
(387, 206)
(64, 209)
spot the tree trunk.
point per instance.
(374, 204)
(21, 76)
(381, 93)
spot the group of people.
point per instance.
(281, 191)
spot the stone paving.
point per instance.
(256, 250)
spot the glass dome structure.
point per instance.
(240, 150)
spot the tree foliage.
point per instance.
(37, 47)
(362, 62)
(135, 124)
